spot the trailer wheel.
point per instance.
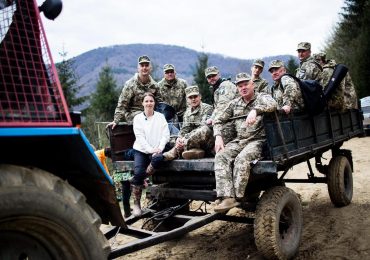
(43, 217)
(340, 181)
(278, 223)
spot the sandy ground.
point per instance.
(328, 232)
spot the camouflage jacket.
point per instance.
(226, 92)
(131, 98)
(309, 69)
(196, 118)
(173, 93)
(261, 102)
(327, 71)
(286, 91)
(261, 85)
(344, 97)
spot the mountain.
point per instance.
(123, 60)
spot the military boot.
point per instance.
(225, 205)
(171, 154)
(194, 153)
(136, 210)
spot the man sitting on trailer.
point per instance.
(285, 89)
(195, 136)
(233, 161)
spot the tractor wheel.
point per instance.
(278, 223)
(340, 181)
(43, 217)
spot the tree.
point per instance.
(104, 100)
(292, 66)
(200, 78)
(349, 43)
(68, 80)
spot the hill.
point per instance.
(123, 60)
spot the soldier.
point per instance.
(172, 90)
(130, 100)
(233, 161)
(223, 92)
(308, 67)
(260, 84)
(285, 89)
(344, 97)
(195, 137)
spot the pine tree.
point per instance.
(104, 100)
(200, 78)
(292, 66)
(68, 80)
(349, 43)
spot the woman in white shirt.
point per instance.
(152, 134)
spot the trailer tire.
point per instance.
(278, 223)
(43, 217)
(340, 181)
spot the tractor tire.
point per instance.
(340, 181)
(43, 217)
(278, 223)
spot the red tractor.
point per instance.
(54, 192)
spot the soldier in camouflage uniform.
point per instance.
(233, 161)
(344, 97)
(131, 98)
(308, 67)
(285, 90)
(195, 137)
(223, 92)
(172, 90)
(260, 84)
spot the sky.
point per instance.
(236, 28)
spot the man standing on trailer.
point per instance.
(172, 90)
(309, 68)
(260, 84)
(131, 98)
(223, 92)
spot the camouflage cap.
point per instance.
(192, 91)
(304, 46)
(168, 67)
(259, 62)
(211, 71)
(320, 55)
(143, 59)
(242, 77)
(276, 64)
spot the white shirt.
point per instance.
(150, 133)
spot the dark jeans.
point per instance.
(141, 162)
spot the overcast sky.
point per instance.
(237, 28)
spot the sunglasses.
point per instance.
(169, 72)
(193, 97)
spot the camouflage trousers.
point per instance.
(232, 166)
(228, 132)
(201, 137)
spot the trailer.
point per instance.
(55, 193)
(290, 140)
